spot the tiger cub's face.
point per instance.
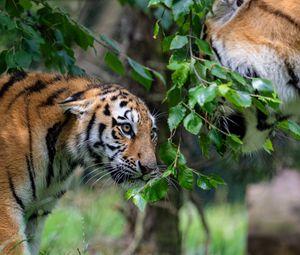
(114, 131)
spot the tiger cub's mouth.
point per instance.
(125, 175)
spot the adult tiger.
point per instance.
(49, 125)
(259, 38)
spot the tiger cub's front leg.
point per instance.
(34, 229)
(12, 237)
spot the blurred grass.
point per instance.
(80, 218)
(227, 224)
(84, 216)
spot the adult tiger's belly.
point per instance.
(252, 60)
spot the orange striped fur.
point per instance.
(49, 125)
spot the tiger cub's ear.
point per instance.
(76, 105)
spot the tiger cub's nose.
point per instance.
(145, 169)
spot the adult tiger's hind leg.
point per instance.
(12, 237)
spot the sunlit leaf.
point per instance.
(185, 177)
(192, 123)
(155, 190)
(262, 85)
(178, 42)
(268, 146)
(239, 98)
(176, 115)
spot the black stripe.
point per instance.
(239, 2)
(92, 153)
(114, 135)
(125, 114)
(89, 127)
(60, 194)
(106, 110)
(13, 191)
(101, 129)
(51, 139)
(123, 103)
(29, 137)
(278, 13)
(32, 183)
(51, 99)
(217, 54)
(72, 165)
(112, 148)
(294, 81)
(37, 87)
(120, 150)
(262, 121)
(18, 76)
(37, 215)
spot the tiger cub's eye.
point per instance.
(126, 128)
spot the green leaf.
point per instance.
(235, 139)
(169, 171)
(193, 123)
(204, 143)
(290, 126)
(113, 62)
(137, 199)
(159, 76)
(10, 59)
(140, 69)
(204, 47)
(153, 2)
(203, 182)
(181, 7)
(178, 42)
(260, 106)
(217, 179)
(214, 181)
(239, 98)
(141, 80)
(155, 190)
(82, 37)
(168, 154)
(173, 96)
(167, 3)
(202, 95)
(6, 22)
(23, 58)
(176, 115)
(268, 146)
(166, 43)
(223, 89)
(216, 138)
(26, 4)
(262, 85)
(238, 78)
(156, 29)
(219, 72)
(140, 202)
(180, 76)
(185, 177)
(110, 42)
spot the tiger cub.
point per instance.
(259, 38)
(49, 125)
